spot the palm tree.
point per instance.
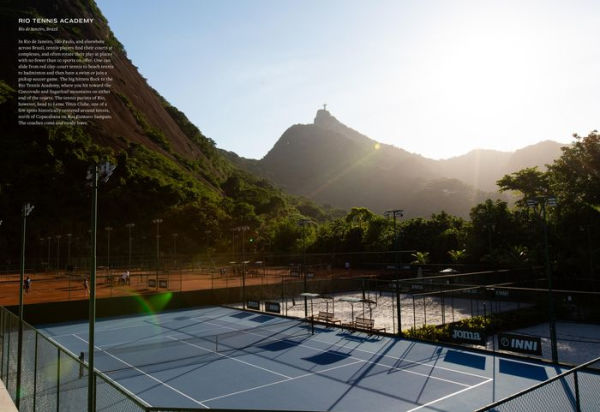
(421, 258)
(457, 255)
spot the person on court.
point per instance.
(27, 284)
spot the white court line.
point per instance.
(103, 330)
(450, 395)
(148, 375)
(369, 361)
(281, 381)
(408, 360)
(228, 357)
(352, 357)
(375, 353)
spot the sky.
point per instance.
(434, 77)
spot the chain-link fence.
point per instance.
(575, 390)
(54, 379)
(51, 377)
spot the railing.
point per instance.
(577, 389)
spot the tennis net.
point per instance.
(262, 338)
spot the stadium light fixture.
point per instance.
(544, 202)
(26, 211)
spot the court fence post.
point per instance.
(35, 368)
(398, 308)
(414, 313)
(8, 353)
(577, 399)
(58, 380)
(443, 308)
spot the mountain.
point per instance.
(165, 168)
(332, 163)
(482, 168)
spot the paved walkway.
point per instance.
(6, 403)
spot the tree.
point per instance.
(529, 182)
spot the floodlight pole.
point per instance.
(27, 208)
(49, 239)
(394, 213)
(553, 342)
(157, 221)
(92, 288)
(129, 226)
(243, 229)
(108, 230)
(303, 223)
(58, 251)
(544, 201)
(69, 235)
(104, 171)
(175, 236)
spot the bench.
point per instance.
(326, 317)
(364, 324)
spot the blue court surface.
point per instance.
(217, 357)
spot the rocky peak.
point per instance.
(325, 119)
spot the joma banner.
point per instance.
(520, 343)
(475, 337)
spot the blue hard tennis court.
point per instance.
(219, 357)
